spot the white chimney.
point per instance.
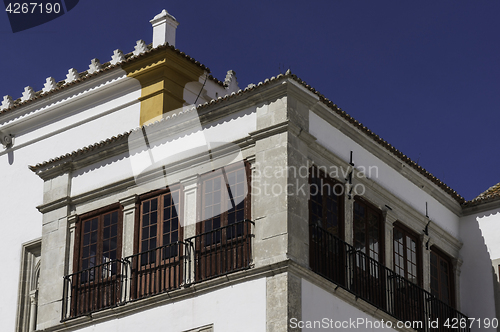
(164, 26)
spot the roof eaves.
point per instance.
(72, 155)
(492, 194)
(129, 58)
(340, 112)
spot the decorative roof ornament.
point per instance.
(50, 84)
(6, 103)
(230, 82)
(140, 47)
(28, 94)
(95, 66)
(164, 27)
(71, 76)
(117, 57)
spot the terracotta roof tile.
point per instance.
(493, 193)
(129, 58)
(69, 156)
(328, 103)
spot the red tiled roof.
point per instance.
(323, 99)
(493, 193)
(129, 58)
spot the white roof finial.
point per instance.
(50, 84)
(95, 66)
(164, 26)
(140, 47)
(230, 82)
(28, 94)
(71, 76)
(6, 103)
(117, 57)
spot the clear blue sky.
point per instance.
(424, 75)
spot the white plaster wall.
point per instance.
(489, 223)
(89, 122)
(21, 190)
(476, 278)
(338, 143)
(211, 90)
(318, 304)
(227, 129)
(241, 307)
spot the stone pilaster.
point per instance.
(389, 217)
(56, 242)
(349, 218)
(189, 219)
(426, 261)
(128, 204)
(129, 210)
(457, 265)
(284, 295)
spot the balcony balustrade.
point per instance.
(371, 281)
(163, 269)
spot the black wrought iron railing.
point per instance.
(198, 258)
(156, 271)
(371, 281)
(221, 251)
(93, 289)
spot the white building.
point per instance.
(266, 208)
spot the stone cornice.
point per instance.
(481, 206)
(58, 203)
(119, 144)
(401, 210)
(60, 101)
(391, 160)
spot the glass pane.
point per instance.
(94, 224)
(114, 230)
(154, 204)
(107, 220)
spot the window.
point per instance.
(96, 282)
(160, 226)
(28, 286)
(223, 242)
(408, 302)
(368, 230)
(224, 202)
(157, 265)
(406, 254)
(326, 221)
(369, 272)
(326, 203)
(441, 276)
(99, 245)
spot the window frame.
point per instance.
(200, 224)
(442, 256)
(146, 278)
(80, 219)
(378, 212)
(229, 249)
(159, 193)
(407, 232)
(99, 292)
(340, 203)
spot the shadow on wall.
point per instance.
(496, 287)
(479, 302)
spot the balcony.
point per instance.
(163, 269)
(369, 280)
